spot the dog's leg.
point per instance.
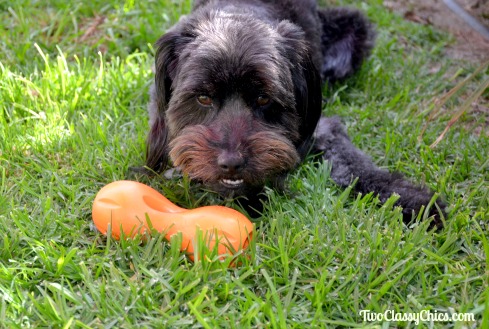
(347, 37)
(349, 163)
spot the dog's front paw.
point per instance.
(348, 163)
(327, 131)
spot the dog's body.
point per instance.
(237, 97)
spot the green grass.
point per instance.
(72, 119)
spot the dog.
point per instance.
(237, 99)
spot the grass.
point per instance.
(73, 92)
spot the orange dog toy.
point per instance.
(126, 205)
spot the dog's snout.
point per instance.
(230, 162)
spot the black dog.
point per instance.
(237, 98)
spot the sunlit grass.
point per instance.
(73, 95)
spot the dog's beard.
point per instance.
(266, 155)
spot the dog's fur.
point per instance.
(237, 97)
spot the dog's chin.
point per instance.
(234, 188)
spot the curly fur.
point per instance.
(258, 66)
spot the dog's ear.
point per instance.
(347, 39)
(308, 97)
(306, 81)
(156, 145)
(169, 48)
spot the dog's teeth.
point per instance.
(232, 182)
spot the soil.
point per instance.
(470, 45)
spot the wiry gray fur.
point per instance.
(235, 52)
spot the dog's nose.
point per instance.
(230, 162)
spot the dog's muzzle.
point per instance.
(232, 160)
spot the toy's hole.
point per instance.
(154, 203)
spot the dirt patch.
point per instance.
(470, 44)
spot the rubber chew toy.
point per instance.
(126, 205)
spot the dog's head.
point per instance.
(235, 102)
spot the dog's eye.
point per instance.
(263, 100)
(204, 100)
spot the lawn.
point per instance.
(74, 78)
